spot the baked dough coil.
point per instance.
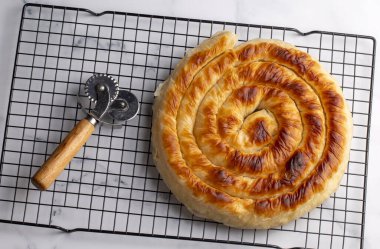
(252, 136)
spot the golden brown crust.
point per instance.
(252, 136)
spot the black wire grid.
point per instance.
(112, 185)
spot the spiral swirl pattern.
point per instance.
(251, 136)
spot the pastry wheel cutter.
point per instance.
(104, 103)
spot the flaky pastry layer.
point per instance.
(251, 136)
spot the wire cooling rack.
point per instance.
(112, 185)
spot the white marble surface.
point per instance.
(340, 16)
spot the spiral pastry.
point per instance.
(252, 136)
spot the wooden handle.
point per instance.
(63, 154)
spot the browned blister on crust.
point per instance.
(252, 136)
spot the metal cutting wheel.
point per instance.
(97, 82)
(109, 106)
